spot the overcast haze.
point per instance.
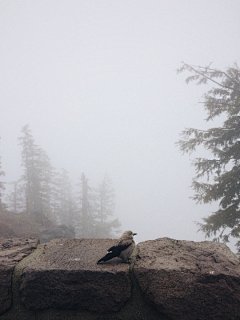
(96, 81)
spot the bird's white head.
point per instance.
(128, 234)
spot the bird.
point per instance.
(123, 248)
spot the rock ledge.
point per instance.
(189, 280)
(66, 276)
(167, 279)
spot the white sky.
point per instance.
(96, 81)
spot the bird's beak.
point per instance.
(134, 234)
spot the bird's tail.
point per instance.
(107, 257)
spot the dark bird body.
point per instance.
(123, 249)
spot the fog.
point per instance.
(96, 82)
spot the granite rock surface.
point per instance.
(189, 280)
(12, 250)
(65, 275)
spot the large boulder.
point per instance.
(190, 280)
(12, 250)
(65, 275)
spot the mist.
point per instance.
(96, 81)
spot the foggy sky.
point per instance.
(96, 81)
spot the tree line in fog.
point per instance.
(44, 191)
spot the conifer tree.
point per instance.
(31, 172)
(37, 175)
(64, 206)
(87, 221)
(97, 207)
(46, 174)
(104, 210)
(16, 197)
(224, 144)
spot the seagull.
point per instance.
(123, 249)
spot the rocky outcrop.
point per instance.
(65, 275)
(189, 280)
(12, 250)
(167, 279)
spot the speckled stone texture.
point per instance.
(12, 250)
(65, 275)
(190, 280)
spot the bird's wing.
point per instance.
(116, 251)
(119, 248)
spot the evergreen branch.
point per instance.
(207, 77)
